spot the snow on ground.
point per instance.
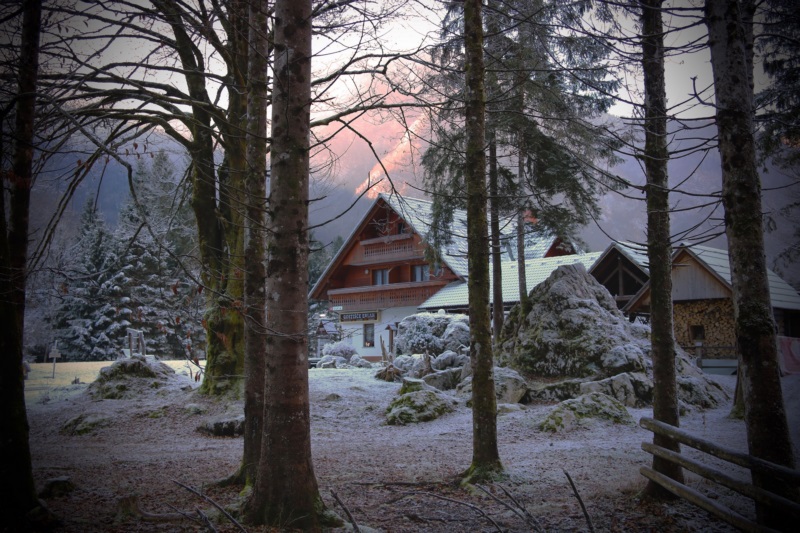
(390, 477)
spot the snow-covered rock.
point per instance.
(449, 359)
(509, 386)
(574, 331)
(418, 402)
(84, 424)
(447, 379)
(575, 412)
(432, 333)
(359, 362)
(332, 361)
(223, 426)
(127, 378)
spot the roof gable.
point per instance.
(715, 263)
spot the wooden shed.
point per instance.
(702, 299)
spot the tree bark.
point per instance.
(17, 491)
(255, 239)
(485, 457)
(286, 492)
(659, 248)
(497, 254)
(765, 416)
(217, 194)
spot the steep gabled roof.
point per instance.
(782, 294)
(716, 262)
(635, 253)
(418, 214)
(536, 271)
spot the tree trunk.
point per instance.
(765, 416)
(497, 254)
(286, 492)
(17, 491)
(485, 457)
(659, 248)
(522, 279)
(216, 196)
(255, 254)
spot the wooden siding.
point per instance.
(691, 281)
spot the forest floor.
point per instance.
(393, 478)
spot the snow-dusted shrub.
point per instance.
(339, 349)
(431, 333)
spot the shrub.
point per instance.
(339, 349)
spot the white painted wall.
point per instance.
(354, 331)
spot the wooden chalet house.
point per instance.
(380, 275)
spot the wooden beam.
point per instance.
(693, 496)
(727, 454)
(723, 479)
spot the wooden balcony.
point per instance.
(387, 249)
(383, 296)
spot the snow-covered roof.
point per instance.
(536, 271)
(636, 253)
(418, 213)
(782, 294)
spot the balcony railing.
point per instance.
(383, 296)
(377, 252)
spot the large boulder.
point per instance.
(447, 379)
(418, 402)
(450, 359)
(573, 330)
(578, 411)
(509, 386)
(432, 333)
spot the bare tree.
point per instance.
(730, 39)
(18, 499)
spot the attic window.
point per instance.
(401, 227)
(698, 333)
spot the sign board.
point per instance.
(363, 316)
(337, 308)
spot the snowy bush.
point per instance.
(339, 349)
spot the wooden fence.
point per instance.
(747, 489)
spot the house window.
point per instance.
(380, 276)
(420, 273)
(369, 335)
(401, 227)
(698, 333)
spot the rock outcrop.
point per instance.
(129, 378)
(432, 333)
(418, 402)
(574, 331)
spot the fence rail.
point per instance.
(746, 489)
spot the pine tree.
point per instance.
(84, 322)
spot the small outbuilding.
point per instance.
(702, 299)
